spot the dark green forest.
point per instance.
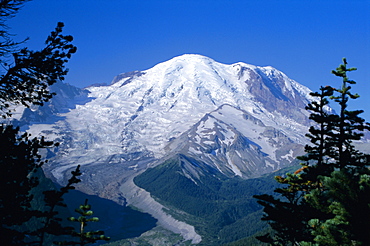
(221, 209)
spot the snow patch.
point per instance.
(288, 156)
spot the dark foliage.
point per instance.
(19, 161)
(326, 202)
(221, 209)
(8, 9)
(25, 81)
(50, 223)
(85, 237)
(29, 75)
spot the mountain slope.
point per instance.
(221, 209)
(235, 143)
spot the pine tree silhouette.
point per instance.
(326, 202)
(85, 237)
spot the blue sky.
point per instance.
(305, 39)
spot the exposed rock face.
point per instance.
(235, 143)
(272, 89)
(67, 98)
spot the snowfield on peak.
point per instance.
(172, 96)
(138, 114)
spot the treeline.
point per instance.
(222, 209)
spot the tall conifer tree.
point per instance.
(19, 161)
(333, 185)
(25, 80)
(85, 237)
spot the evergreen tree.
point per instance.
(25, 81)
(8, 9)
(346, 190)
(50, 222)
(85, 237)
(332, 207)
(288, 214)
(19, 160)
(28, 74)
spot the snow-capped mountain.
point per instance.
(140, 113)
(237, 120)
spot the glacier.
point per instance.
(141, 113)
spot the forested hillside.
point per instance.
(221, 209)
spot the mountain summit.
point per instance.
(235, 120)
(142, 112)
